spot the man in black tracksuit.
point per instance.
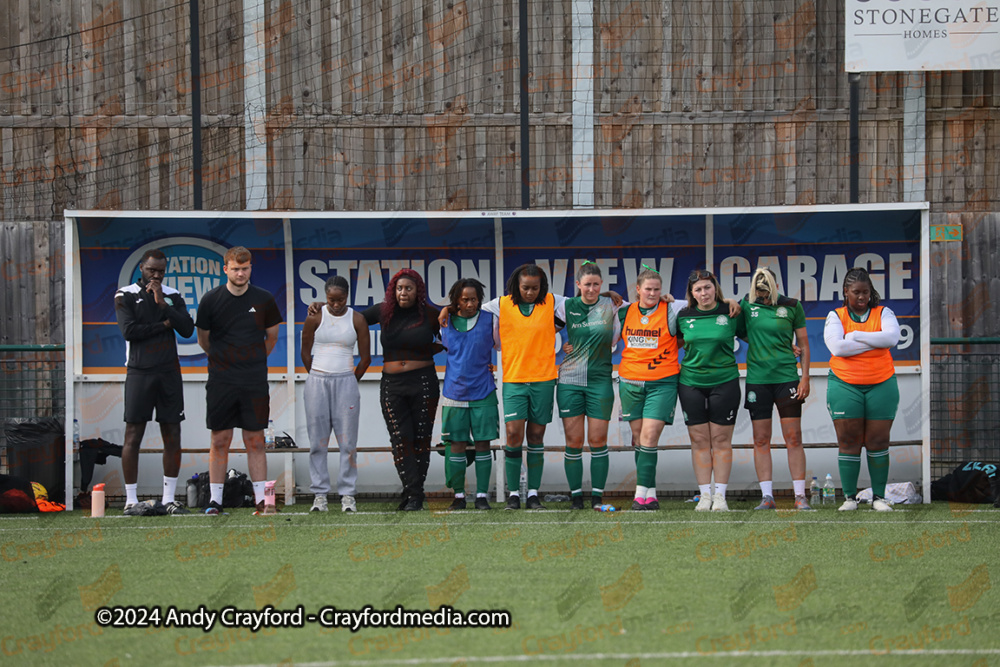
(150, 315)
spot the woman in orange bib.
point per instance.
(862, 395)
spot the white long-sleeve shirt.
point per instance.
(856, 342)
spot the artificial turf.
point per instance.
(627, 588)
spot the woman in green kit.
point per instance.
(773, 381)
(709, 387)
(584, 391)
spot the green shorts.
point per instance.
(861, 401)
(528, 400)
(654, 399)
(479, 421)
(596, 401)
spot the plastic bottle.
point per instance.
(524, 483)
(605, 508)
(269, 435)
(76, 435)
(97, 501)
(829, 493)
(192, 491)
(814, 499)
(269, 504)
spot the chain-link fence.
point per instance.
(965, 410)
(32, 386)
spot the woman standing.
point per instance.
(709, 385)
(526, 327)
(647, 378)
(469, 397)
(584, 390)
(332, 398)
(771, 320)
(862, 394)
(409, 392)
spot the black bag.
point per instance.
(236, 492)
(284, 441)
(970, 482)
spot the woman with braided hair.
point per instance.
(861, 393)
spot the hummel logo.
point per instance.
(576, 314)
(512, 414)
(139, 300)
(252, 309)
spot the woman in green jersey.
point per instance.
(584, 391)
(773, 381)
(709, 385)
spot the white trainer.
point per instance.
(704, 504)
(719, 503)
(850, 504)
(347, 504)
(879, 505)
(319, 504)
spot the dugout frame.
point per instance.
(76, 375)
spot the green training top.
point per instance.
(708, 345)
(590, 330)
(770, 331)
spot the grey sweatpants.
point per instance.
(332, 404)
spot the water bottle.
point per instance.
(192, 492)
(97, 501)
(605, 508)
(269, 435)
(76, 435)
(269, 504)
(829, 493)
(814, 492)
(524, 483)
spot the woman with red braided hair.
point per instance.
(409, 393)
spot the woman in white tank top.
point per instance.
(332, 398)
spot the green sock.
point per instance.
(536, 461)
(456, 478)
(645, 468)
(878, 470)
(484, 468)
(512, 467)
(635, 450)
(850, 468)
(599, 464)
(573, 463)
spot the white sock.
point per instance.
(532, 492)
(720, 489)
(459, 495)
(130, 495)
(216, 490)
(482, 495)
(513, 493)
(640, 492)
(169, 488)
(767, 488)
(800, 486)
(651, 493)
(258, 491)
(705, 490)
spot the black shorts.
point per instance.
(163, 391)
(710, 404)
(237, 406)
(762, 398)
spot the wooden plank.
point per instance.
(764, 56)
(683, 138)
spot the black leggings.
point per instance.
(409, 402)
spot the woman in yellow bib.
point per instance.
(861, 394)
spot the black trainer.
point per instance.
(596, 501)
(577, 503)
(652, 504)
(176, 508)
(533, 503)
(513, 502)
(213, 508)
(637, 506)
(457, 504)
(482, 504)
(414, 504)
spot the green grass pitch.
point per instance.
(917, 586)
